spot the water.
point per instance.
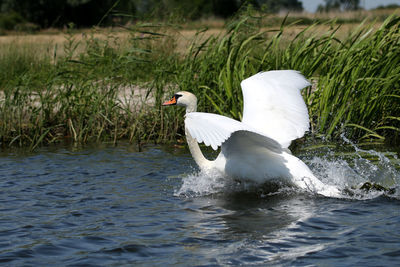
(113, 206)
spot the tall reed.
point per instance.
(112, 91)
(356, 80)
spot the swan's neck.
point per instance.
(191, 106)
(194, 147)
(201, 161)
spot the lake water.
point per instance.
(113, 206)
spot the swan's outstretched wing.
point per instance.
(212, 129)
(274, 106)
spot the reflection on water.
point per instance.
(268, 214)
(115, 206)
(225, 225)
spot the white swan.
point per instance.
(256, 148)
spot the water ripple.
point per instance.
(114, 206)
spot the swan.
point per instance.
(256, 148)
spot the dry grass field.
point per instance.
(52, 44)
(52, 41)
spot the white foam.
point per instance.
(202, 183)
(347, 173)
(206, 183)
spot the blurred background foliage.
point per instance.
(28, 15)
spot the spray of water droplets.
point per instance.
(347, 171)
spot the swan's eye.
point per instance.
(176, 96)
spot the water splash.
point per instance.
(203, 183)
(346, 170)
(351, 170)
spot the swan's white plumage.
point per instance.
(272, 104)
(255, 148)
(212, 129)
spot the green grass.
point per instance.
(357, 79)
(77, 97)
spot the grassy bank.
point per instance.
(110, 88)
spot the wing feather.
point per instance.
(212, 129)
(274, 106)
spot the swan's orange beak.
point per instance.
(170, 102)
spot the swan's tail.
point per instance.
(303, 177)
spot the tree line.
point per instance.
(85, 13)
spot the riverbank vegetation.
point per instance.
(108, 84)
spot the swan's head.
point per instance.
(184, 99)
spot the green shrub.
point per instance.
(27, 27)
(8, 21)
